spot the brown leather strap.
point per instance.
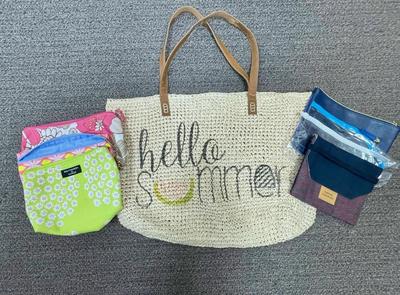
(227, 54)
(253, 75)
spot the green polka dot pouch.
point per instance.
(71, 185)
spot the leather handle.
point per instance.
(254, 67)
(227, 54)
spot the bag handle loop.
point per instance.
(254, 67)
(227, 54)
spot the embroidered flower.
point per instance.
(95, 125)
(99, 125)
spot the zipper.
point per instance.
(394, 123)
(384, 160)
(69, 121)
(22, 156)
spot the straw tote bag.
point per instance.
(212, 169)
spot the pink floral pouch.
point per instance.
(106, 124)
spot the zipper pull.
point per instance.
(370, 136)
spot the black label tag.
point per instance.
(71, 171)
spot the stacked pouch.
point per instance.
(381, 132)
(71, 184)
(106, 124)
(345, 156)
(334, 181)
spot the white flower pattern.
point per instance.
(51, 201)
(53, 132)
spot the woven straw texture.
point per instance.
(224, 177)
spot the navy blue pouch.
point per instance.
(341, 171)
(383, 132)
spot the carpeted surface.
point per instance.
(63, 59)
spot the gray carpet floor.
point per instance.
(63, 59)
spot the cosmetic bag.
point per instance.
(212, 169)
(71, 185)
(106, 124)
(342, 128)
(309, 126)
(370, 132)
(382, 132)
(334, 181)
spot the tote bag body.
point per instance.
(212, 169)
